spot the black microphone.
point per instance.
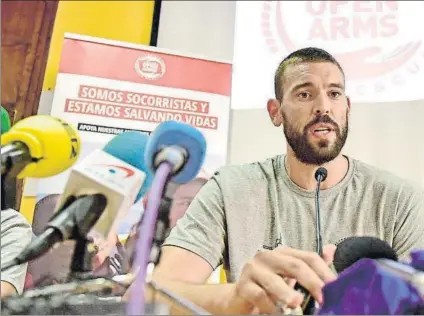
(73, 221)
(308, 304)
(353, 249)
(320, 176)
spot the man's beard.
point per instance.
(309, 154)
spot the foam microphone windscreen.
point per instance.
(52, 143)
(353, 249)
(184, 136)
(122, 147)
(5, 120)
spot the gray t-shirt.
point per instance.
(246, 208)
(16, 234)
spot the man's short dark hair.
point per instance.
(309, 54)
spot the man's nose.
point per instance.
(322, 105)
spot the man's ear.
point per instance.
(348, 104)
(274, 112)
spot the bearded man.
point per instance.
(258, 219)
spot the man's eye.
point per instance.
(304, 95)
(335, 94)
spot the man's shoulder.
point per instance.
(11, 219)
(257, 170)
(381, 179)
(16, 234)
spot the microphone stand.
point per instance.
(82, 258)
(143, 245)
(72, 222)
(13, 160)
(8, 195)
(161, 229)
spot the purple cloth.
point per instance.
(367, 289)
(417, 261)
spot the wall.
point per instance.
(198, 27)
(129, 21)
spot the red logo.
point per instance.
(150, 67)
(114, 169)
(374, 25)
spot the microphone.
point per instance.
(182, 148)
(39, 146)
(175, 152)
(320, 176)
(118, 172)
(308, 304)
(72, 222)
(130, 147)
(180, 145)
(99, 192)
(353, 249)
(5, 121)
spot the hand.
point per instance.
(268, 279)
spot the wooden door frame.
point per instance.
(35, 86)
(28, 99)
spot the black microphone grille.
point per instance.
(321, 174)
(353, 249)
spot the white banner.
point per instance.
(106, 87)
(380, 45)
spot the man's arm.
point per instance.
(196, 246)
(7, 289)
(184, 273)
(172, 274)
(409, 226)
(16, 234)
(194, 249)
(262, 285)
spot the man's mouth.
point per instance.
(321, 129)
